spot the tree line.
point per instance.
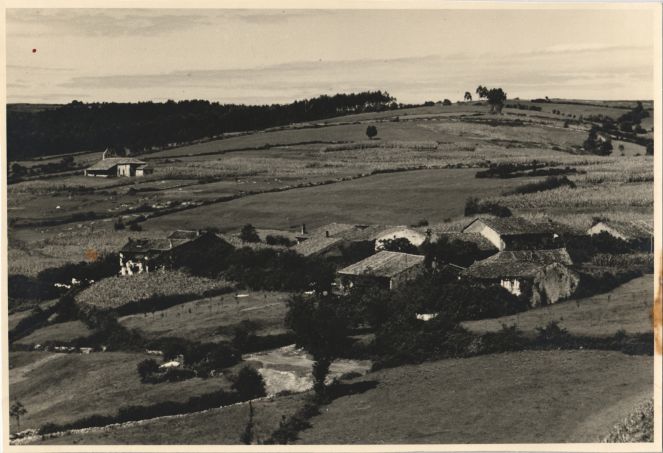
(138, 127)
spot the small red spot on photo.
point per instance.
(34, 50)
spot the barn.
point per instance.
(110, 167)
(385, 269)
(514, 233)
(541, 276)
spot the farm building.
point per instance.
(144, 255)
(626, 231)
(110, 167)
(415, 237)
(386, 269)
(541, 276)
(513, 233)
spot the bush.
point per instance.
(371, 131)
(550, 183)
(249, 384)
(146, 368)
(475, 206)
(249, 234)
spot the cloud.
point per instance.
(100, 22)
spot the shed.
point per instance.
(386, 269)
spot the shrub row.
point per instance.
(550, 183)
(420, 145)
(475, 206)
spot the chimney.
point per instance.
(327, 233)
(304, 228)
(103, 155)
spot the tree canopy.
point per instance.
(495, 96)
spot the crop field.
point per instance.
(627, 307)
(551, 396)
(66, 387)
(215, 318)
(114, 292)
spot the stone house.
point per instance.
(540, 276)
(110, 167)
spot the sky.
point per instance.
(277, 56)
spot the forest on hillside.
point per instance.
(138, 127)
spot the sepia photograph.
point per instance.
(359, 225)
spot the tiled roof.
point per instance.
(315, 245)
(511, 225)
(383, 264)
(633, 229)
(110, 162)
(518, 263)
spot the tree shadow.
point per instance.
(340, 389)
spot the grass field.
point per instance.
(394, 198)
(61, 388)
(627, 307)
(524, 397)
(214, 319)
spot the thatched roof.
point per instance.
(183, 234)
(383, 264)
(147, 245)
(481, 242)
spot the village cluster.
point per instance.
(527, 258)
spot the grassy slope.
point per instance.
(526, 397)
(213, 319)
(627, 307)
(65, 331)
(64, 387)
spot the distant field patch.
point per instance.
(117, 291)
(627, 307)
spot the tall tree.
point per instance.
(495, 96)
(468, 96)
(17, 410)
(320, 324)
